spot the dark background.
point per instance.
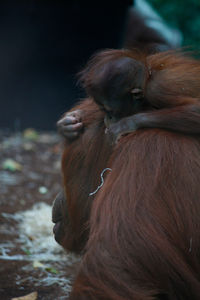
(43, 44)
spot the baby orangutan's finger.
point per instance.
(71, 130)
(70, 125)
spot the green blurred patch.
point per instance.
(11, 165)
(184, 15)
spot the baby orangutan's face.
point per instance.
(117, 88)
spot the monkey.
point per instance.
(144, 217)
(123, 87)
(123, 84)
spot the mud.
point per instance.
(30, 260)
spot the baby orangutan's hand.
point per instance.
(70, 125)
(124, 126)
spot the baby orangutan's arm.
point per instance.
(184, 119)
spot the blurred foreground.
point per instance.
(30, 259)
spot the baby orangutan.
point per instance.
(140, 92)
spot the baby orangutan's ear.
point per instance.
(137, 93)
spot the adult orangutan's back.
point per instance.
(145, 222)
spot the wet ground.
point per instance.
(30, 259)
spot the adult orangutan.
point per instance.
(140, 230)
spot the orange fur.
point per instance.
(144, 222)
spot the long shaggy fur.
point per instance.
(144, 222)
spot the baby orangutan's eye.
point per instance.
(137, 93)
